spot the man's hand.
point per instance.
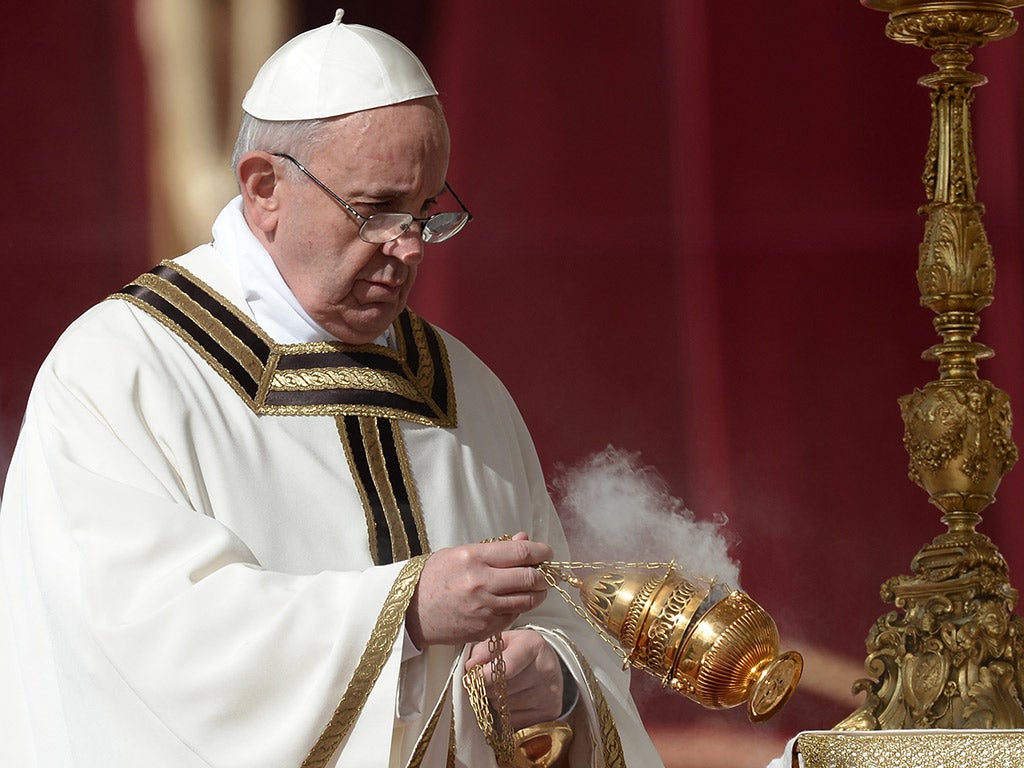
(468, 593)
(532, 674)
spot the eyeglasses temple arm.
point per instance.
(457, 200)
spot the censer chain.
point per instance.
(499, 735)
(576, 565)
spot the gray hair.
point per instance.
(292, 136)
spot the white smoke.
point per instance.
(616, 509)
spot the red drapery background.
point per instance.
(695, 239)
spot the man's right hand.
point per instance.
(468, 593)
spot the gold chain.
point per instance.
(495, 645)
(576, 565)
(500, 738)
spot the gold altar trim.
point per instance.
(910, 749)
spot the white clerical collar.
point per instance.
(274, 307)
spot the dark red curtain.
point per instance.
(73, 218)
(695, 238)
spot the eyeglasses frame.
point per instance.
(363, 220)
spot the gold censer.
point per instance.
(710, 643)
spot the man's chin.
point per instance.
(363, 330)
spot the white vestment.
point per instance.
(186, 582)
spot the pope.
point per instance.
(251, 516)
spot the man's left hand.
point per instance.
(533, 676)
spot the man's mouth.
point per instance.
(381, 289)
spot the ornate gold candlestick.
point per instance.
(953, 655)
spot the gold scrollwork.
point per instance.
(933, 28)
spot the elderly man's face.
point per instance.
(388, 159)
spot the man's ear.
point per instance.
(258, 181)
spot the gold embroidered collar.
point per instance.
(412, 382)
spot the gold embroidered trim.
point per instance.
(425, 374)
(371, 663)
(277, 391)
(380, 493)
(352, 409)
(198, 348)
(611, 742)
(418, 753)
(231, 343)
(371, 522)
(452, 745)
(343, 378)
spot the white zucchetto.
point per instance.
(334, 70)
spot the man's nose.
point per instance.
(407, 247)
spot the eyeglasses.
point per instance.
(385, 227)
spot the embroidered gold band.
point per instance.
(611, 742)
(420, 751)
(412, 383)
(389, 623)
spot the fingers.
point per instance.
(521, 649)
(533, 676)
(516, 552)
(470, 592)
(515, 581)
(480, 656)
(499, 568)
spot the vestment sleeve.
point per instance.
(227, 663)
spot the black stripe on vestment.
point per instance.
(396, 478)
(199, 335)
(439, 392)
(295, 361)
(380, 533)
(221, 313)
(325, 397)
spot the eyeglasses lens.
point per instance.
(385, 227)
(441, 226)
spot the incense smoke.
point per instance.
(615, 509)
